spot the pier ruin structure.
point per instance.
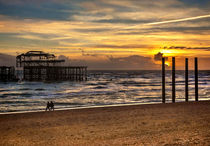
(41, 66)
(7, 73)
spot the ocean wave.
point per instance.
(4, 90)
(22, 89)
(16, 94)
(102, 88)
(39, 89)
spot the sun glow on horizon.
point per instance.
(170, 52)
(108, 34)
(167, 63)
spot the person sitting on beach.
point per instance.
(48, 106)
(52, 105)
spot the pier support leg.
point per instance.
(186, 79)
(173, 80)
(196, 79)
(163, 80)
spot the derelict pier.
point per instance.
(7, 73)
(41, 66)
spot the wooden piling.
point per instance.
(186, 79)
(196, 79)
(163, 80)
(173, 80)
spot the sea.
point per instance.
(103, 88)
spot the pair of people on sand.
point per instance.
(50, 106)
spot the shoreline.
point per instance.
(183, 123)
(95, 106)
(84, 107)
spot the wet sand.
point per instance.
(156, 124)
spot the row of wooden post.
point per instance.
(173, 80)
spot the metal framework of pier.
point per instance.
(41, 66)
(55, 73)
(37, 58)
(7, 73)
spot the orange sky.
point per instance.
(108, 32)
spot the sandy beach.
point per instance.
(155, 124)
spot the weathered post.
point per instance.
(86, 74)
(186, 79)
(196, 79)
(173, 80)
(163, 80)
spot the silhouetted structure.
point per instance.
(7, 73)
(55, 73)
(37, 58)
(173, 80)
(163, 80)
(196, 79)
(186, 79)
(41, 66)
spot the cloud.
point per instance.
(30, 40)
(188, 48)
(133, 62)
(104, 27)
(159, 56)
(124, 21)
(129, 46)
(202, 30)
(37, 10)
(93, 30)
(88, 54)
(7, 60)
